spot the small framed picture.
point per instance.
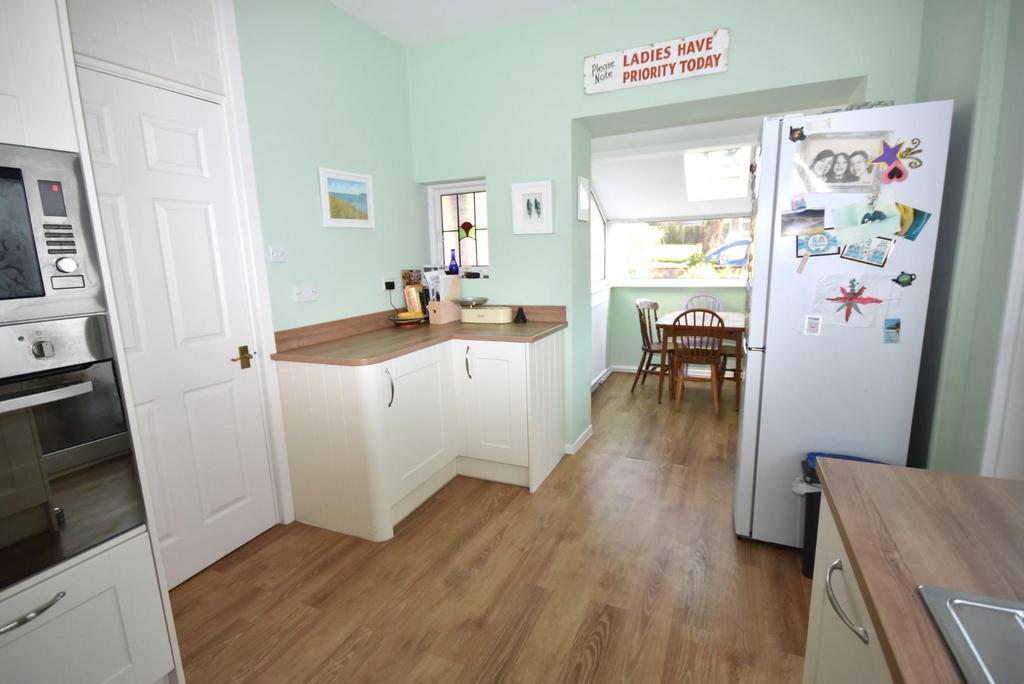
(803, 222)
(874, 252)
(582, 198)
(839, 162)
(817, 244)
(346, 199)
(532, 208)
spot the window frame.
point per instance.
(595, 208)
(626, 281)
(434, 193)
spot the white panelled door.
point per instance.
(167, 201)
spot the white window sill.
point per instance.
(688, 284)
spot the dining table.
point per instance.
(735, 324)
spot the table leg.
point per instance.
(661, 370)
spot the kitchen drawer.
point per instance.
(108, 627)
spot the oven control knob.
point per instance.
(66, 265)
(42, 349)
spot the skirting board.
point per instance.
(602, 377)
(581, 440)
(489, 470)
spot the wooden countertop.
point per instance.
(387, 343)
(903, 527)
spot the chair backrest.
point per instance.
(647, 309)
(704, 301)
(693, 337)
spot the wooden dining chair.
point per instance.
(695, 343)
(705, 300)
(650, 337)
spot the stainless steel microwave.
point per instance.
(48, 262)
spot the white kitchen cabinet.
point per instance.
(836, 653)
(368, 444)
(106, 625)
(419, 417)
(35, 100)
(493, 401)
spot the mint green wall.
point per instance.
(624, 326)
(981, 198)
(501, 104)
(323, 89)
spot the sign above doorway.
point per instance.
(703, 53)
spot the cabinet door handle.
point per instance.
(32, 614)
(392, 381)
(468, 374)
(861, 633)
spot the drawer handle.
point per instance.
(32, 614)
(468, 374)
(392, 381)
(861, 633)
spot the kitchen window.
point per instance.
(458, 220)
(707, 250)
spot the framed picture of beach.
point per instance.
(346, 199)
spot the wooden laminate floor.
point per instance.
(623, 567)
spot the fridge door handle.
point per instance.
(755, 349)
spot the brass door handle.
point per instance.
(244, 356)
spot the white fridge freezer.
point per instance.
(846, 382)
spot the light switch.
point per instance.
(307, 292)
(278, 254)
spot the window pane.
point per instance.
(483, 246)
(450, 240)
(717, 173)
(481, 209)
(449, 216)
(466, 210)
(467, 249)
(701, 249)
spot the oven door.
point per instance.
(67, 473)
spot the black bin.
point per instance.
(812, 504)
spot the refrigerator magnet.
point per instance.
(891, 331)
(838, 162)
(874, 251)
(818, 244)
(911, 221)
(812, 324)
(803, 222)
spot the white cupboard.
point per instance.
(35, 99)
(419, 417)
(368, 444)
(493, 401)
(99, 619)
(842, 644)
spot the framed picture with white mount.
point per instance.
(533, 208)
(582, 198)
(346, 199)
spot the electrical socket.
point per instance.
(307, 292)
(389, 284)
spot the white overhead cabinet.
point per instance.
(35, 100)
(368, 444)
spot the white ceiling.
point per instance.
(421, 21)
(640, 175)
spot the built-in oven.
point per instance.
(68, 478)
(48, 265)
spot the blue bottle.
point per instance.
(453, 265)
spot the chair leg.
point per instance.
(715, 385)
(639, 370)
(647, 368)
(679, 385)
(661, 380)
